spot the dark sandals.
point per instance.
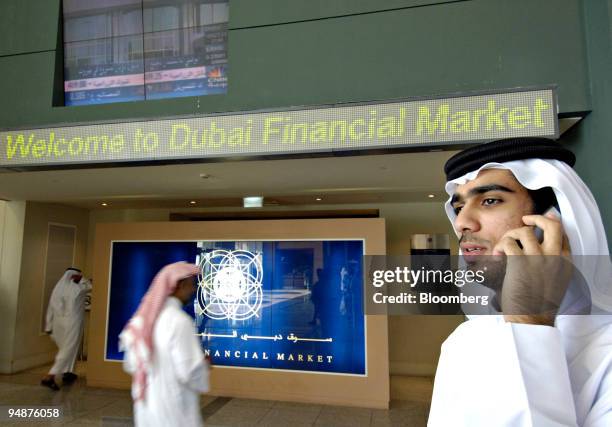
(69, 378)
(50, 383)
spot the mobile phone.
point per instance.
(538, 231)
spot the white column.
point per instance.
(12, 219)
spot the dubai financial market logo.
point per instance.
(230, 285)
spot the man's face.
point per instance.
(76, 278)
(191, 287)
(486, 208)
(185, 289)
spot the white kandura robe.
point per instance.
(177, 375)
(495, 373)
(65, 318)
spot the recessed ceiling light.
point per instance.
(431, 196)
(252, 202)
(318, 199)
(104, 204)
(193, 202)
(204, 176)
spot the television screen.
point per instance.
(133, 50)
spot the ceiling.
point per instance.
(402, 177)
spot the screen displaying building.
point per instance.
(133, 50)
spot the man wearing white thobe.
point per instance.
(64, 321)
(519, 368)
(175, 370)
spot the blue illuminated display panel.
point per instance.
(294, 305)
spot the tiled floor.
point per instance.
(88, 406)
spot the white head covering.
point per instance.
(579, 215)
(66, 279)
(71, 271)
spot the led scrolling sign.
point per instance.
(413, 123)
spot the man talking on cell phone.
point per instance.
(543, 355)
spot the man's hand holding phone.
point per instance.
(537, 269)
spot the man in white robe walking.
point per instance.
(520, 366)
(163, 354)
(64, 322)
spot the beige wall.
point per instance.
(402, 220)
(31, 347)
(99, 216)
(353, 390)
(405, 219)
(12, 218)
(414, 341)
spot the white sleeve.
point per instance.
(85, 284)
(600, 414)
(49, 318)
(496, 373)
(188, 359)
(129, 362)
(50, 310)
(545, 374)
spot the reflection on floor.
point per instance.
(89, 406)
